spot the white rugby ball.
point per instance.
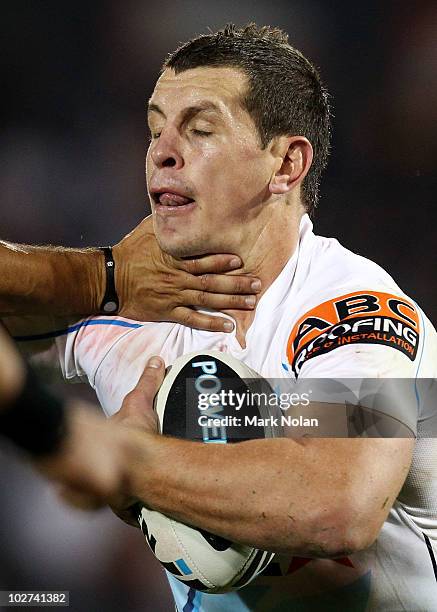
(202, 560)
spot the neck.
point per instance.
(265, 256)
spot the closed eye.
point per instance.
(201, 133)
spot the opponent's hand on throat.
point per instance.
(153, 286)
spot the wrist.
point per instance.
(109, 304)
(119, 275)
(78, 283)
(93, 280)
(139, 449)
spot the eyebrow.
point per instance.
(190, 111)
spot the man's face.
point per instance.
(207, 175)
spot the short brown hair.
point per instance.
(285, 94)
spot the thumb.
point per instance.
(151, 379)
(140, 400)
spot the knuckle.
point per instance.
(193, 266)
(213, 324)
(237, 284)
(238, 300)
(145, 381)
(240, 285)
(202, 298)
(168, 279)
(149, 380)
(177, 299)
(204, 281)
(187, 319)
(207, 323)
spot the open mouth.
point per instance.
(170, 199)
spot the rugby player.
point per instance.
(240, 127)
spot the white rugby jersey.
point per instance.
(330, 313)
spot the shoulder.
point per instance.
(331, 264)
(326, 269)
(347, 305)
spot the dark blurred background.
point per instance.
(74, 81)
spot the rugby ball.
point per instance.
(187, 407)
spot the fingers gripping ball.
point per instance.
(207, 397)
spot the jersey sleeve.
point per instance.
(111, 353)
(83, 346)
(36, 337)
(367, 341)
(77, 348)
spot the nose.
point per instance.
(166, 151)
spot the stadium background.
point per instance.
(75, 77)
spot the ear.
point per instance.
(293, 157)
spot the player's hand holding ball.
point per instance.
(196, 557)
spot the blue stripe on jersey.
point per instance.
(73, 328)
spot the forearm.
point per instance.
(150, 285)
(50, 280)
(271, 494)
(12, 370)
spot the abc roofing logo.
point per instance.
(356, 318)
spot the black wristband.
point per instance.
(110, 303)
(35, 421)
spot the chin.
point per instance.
(179, 248)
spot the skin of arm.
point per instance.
(11, 370)
(308, 497)
(94, 452)
(33, 277)
(151, 285)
